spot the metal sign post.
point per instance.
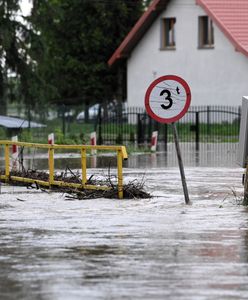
(167, 100)
(180, 163)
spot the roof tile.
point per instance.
(232, 18)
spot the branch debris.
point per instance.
(131, 190)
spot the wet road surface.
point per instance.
(155, 248)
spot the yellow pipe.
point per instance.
(80, 186)
(83, 166)
(75, 147)
(29, 180)
(51, 165)
(121, 154)
(124, 152)
(59, 183)
(119, 174)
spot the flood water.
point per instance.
(158, 248)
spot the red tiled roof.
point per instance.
(231, 16)
(139, 29)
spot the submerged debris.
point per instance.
(132, 190)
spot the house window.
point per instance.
(168, 40)
(206, 32)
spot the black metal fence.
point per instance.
(201, 124)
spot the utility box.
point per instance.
(243, 135)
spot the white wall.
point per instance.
(216, 76)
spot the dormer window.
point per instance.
(206, 32)
(168, 38)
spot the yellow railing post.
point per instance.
(119, 174)
(121, 155)
(6, 162)
(83, 165)
(51, 164)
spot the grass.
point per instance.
(77, 133)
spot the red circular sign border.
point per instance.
(148, 93)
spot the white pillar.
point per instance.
(154, 141)
(93, 142)
(51, 139)
(14, 156)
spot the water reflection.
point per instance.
(217, 155)
(144, 253)
(137, 249)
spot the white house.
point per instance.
(203, 41)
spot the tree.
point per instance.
(15, 61)
(146, 3)
(78, 38)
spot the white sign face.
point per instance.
(167, 99)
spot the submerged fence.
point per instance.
(7, 176)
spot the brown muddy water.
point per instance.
(158, 248)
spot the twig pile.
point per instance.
(132, 190)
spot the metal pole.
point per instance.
(63, 119)
(51, 165)
(120, 176)
(197, 131)
(139, 129)
(165, 137)
(180, 162)
(29, 117)
(83, 166)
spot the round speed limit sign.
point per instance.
(167, 99)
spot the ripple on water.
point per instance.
(155, 248)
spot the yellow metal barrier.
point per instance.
(121, 155)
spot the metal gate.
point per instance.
(210, 124)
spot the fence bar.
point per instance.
(139, 129)
(208, 120)
(100, 140)
(197, 131)
(83, 163)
